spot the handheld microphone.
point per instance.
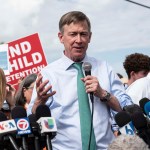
(145, 105)
(87, 69)
(19, 114)
(123, 120)
(6, 128)
(47, 124)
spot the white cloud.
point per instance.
(16, 15)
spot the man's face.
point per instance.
(75, 39)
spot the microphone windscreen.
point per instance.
(32, 118)
(87, 66)
(2, 116)
(142, 103)
(18, 112)
(42, 111)
(34, 125)
(122, 118)
(131, 109)
(139, 121)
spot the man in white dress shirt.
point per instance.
(56, 87)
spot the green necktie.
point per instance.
(84, 110)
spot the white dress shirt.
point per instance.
(64, 104)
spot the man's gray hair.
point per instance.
(128, 142)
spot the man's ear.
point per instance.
(60, 36)
(90, 37)
(132, 74)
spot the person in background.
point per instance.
(128, 142)
(57, 87)
(140, 89)
(6, 104)
(24, 92)
(136, 66)
(7, 93)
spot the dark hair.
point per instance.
(25, 83)
(73, 17)
(136, 62)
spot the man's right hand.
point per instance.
(42, 92)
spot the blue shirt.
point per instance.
(64, 104)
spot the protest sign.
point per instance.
(26, 56)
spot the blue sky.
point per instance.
(119, 28)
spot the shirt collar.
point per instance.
(68, 62)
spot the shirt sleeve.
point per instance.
(118, 90)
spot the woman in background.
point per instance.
(7, 102)
(7, 93)
(24, 92)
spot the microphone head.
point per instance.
(34, 125)
(2, 116)
(147, 109)
(139, 121)
(122, 118)
(143, 101)
(32, 118)
(42, 111)
(87, 66)
(18, 112)
(131, 109)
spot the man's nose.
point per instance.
(78, 38)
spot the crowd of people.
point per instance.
(59, 86)
(11, 97)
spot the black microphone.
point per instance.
(35, 131)
(19, 114)
(141, 125)
(7, 127)
(47, 124)
(131, 109)
(2, 116)
(123, 120)
(139, 121)
(87, 69)
(145, 105)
